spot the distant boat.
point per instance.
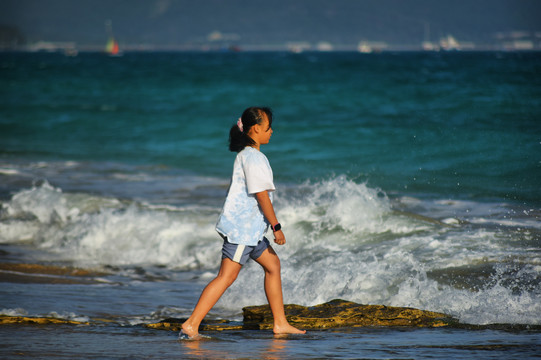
(430, 46)
(364, 48)
(367, 47)
(112, 47)
(449, 43)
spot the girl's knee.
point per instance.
(227, 279)
(273, 267)
(229, 270)
(269, 261)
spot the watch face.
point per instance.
(277, 227)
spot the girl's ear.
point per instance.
(257, 128)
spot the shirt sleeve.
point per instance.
(258, 174)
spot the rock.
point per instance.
(341, 313)
(49, 269)
(4, 320)
(47, 274)
(334, 314)
(174, 324)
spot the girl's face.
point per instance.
(265, 131)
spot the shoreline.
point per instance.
(335, 314)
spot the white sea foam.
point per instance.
(92, 230)
(44, 202)
(53, 314)
(14, 312)
(68, 316)
(337, 204)
(7, 171)
(344, 240)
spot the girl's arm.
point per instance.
(268, 211)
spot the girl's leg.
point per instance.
(210, 296)
(273, 289)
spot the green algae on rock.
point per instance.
(47, 274)
(333, 314)
(5, 320)
(174, 324)
(341, 313)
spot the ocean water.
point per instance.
(403, 179)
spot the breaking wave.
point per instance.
(344, 240)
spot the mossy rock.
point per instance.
(333, 314)
(175, 324)
(341, 313)
(6, 320)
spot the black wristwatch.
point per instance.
(276, 227)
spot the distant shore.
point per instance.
(72, 48)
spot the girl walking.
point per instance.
(246, 216)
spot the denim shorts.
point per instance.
(241, 253)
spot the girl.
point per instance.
(245, 218)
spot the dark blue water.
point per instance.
(404, 179)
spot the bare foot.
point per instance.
(287, 329)
(190, 332)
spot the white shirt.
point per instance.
(241, 220)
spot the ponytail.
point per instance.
(238, 135)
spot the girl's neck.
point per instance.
(256, 147)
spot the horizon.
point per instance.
(294, 25)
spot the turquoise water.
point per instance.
(454, 124)
(403, 179)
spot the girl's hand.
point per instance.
(279, 237)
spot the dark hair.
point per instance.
(238, 140)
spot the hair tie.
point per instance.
(239, 124)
